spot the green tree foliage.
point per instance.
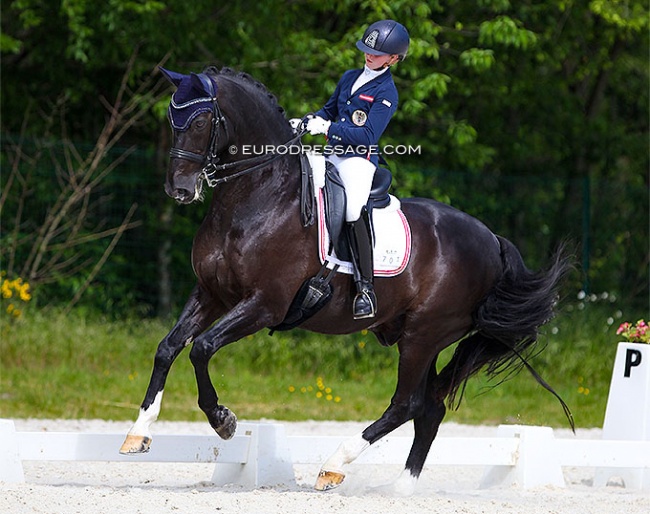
(531, 115)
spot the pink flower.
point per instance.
(623, 328)
(637, 333)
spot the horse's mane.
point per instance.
(242, 77)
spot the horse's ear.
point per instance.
(204, 84)
(172, 76)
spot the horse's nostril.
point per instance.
(184, 195)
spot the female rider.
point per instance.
(353, 120)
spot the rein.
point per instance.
(254, 162)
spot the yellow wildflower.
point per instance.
(6, 289)
(24, 293)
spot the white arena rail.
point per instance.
(260, 454)
(257, 455)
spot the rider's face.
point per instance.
(377, 62)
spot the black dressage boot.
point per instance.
(360, 237)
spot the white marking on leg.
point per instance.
(142, 425)
(405, 483)
(348, 450)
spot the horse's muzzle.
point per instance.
(183, 195)
(184, 185)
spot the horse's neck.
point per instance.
(258, 129)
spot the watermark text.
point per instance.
(339, 150)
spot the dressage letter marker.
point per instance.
(632, 359)
(628, 410)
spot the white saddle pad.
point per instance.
(392, 232)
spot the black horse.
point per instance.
(252, 253)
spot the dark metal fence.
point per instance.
(149, 269)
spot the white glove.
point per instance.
(318, 125)
(298, 124)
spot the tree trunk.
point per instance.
(165, 241)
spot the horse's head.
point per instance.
(202, 137)
(195, 118)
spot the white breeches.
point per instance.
(357, 174)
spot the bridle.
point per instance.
(210, 159)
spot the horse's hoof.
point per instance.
(328, 480)
(405, 484)
(135, 444)
(226, 424)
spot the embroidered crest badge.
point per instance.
(371, 39)
(359, 118)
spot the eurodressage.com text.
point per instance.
(324, 150)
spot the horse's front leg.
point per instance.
(199, 312)
(248, 316)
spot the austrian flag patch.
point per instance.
(367, 98)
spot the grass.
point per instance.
(83, 367)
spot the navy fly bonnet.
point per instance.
(195, 93)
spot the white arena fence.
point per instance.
(261, 454)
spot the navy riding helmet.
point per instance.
(385, 37)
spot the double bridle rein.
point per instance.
(210, 159)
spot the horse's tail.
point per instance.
(506, 324)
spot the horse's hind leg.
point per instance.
(406, 403)
(198, 314)
(426, 426)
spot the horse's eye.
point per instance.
(199, 124)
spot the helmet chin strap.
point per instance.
(390, 63)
